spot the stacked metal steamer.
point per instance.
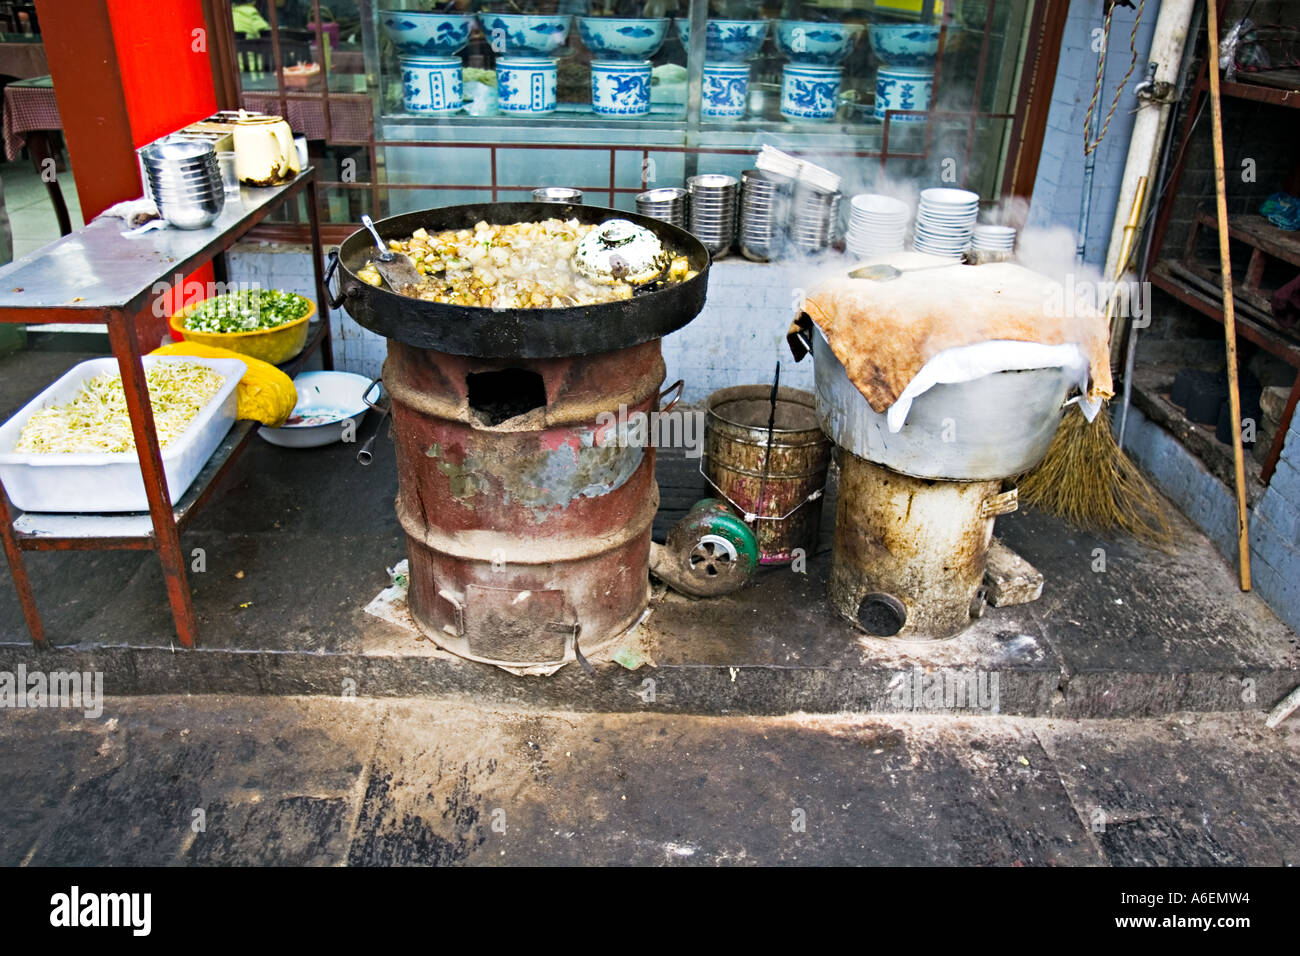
(713, 203)
(787, 205)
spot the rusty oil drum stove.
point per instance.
(528, 532)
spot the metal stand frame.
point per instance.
(166, 521)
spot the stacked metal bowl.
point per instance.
(814, 217)
(669, 204)
(713, 210)
(764, 210)
(184, 182)
(559, 194)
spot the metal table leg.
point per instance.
(318, 269)
(18, 571)
(167, 539)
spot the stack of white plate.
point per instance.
(993, 238)
(713, 210)
(944, 220)
(877, 225)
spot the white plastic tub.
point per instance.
(111, 482)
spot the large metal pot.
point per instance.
(521, 333)
(996, 426)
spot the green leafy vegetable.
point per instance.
(248, 310)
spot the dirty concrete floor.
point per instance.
(321, 781)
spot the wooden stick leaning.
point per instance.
(1116, 328)
(1229, 315)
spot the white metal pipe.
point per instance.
(1167, 43)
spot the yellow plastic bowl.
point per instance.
(274, 345)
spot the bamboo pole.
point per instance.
(1229, 315)
(1113, 327)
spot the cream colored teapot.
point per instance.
(265, 154)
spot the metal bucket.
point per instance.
(783, 492)
(528, 528)
(993, 427)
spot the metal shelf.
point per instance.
(39, 531)
(97, 274)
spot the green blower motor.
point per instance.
(710, 552)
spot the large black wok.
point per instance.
(522, 333)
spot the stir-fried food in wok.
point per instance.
(539, 265)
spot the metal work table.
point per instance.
(98, 275)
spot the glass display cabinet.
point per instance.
(408, 104)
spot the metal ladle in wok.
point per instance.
(397, 269)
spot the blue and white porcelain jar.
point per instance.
(620, 88)
(810, 92)
(526, 84)
(726, 86)
(903, 88)
(431, 84)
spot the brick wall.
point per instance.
(1275, 535)
(1058, 187)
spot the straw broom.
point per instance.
(1086, 479)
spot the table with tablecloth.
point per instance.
(351, 112)
(31, 115)
(29, 106)
(23, 59)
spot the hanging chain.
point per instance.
(1088, 146)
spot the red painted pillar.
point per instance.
(125, 72)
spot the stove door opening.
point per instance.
(496, 397)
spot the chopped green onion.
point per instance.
(247, 311)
